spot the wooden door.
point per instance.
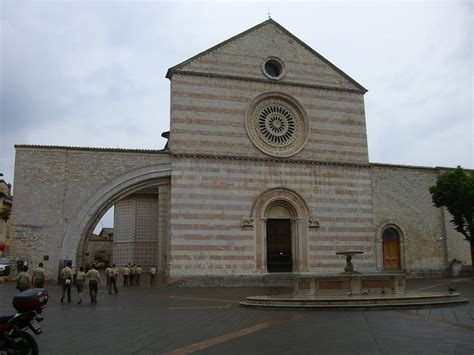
(279, 257)
(391, 255)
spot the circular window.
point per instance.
(276, 124)
(273, 68)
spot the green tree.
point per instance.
(454, 190)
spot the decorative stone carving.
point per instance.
(313, 222)
(246, 222)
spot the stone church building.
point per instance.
(265, 174)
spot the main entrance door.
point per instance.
(279, 256)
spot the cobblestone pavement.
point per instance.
(209, 321)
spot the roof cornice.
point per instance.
(265, 81)
(269, 159)
(93, 149)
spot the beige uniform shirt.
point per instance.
(93, 275)
(81, 276)
(126, 271)
(23, 278)
(139, 270)
(153, 271)
(66, 273)
(38, 274)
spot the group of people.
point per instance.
(92, 276)
(131, 277)
(24, 280)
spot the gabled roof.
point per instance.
(179, 66)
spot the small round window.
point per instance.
(273, 68)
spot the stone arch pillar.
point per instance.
(300, 217)
(87, 216)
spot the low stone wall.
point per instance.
(349, 284)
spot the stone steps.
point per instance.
(407, 300)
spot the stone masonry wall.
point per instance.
(401, 197)
(51, 184)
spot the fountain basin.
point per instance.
(349, 284)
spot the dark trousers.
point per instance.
(112, 282)
(93, 290)
(66, 288)
(152, 279)
(38, 284)
(125, 279)
(138, 279)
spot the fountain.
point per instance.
(352, 289)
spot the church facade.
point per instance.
(266, 172)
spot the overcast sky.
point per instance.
(92, 73)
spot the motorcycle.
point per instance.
(14, 335)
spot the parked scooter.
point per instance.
(14, 335)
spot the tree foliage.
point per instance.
(454, 190)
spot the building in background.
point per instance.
(99, 248)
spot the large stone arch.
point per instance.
(300, 217)
(90, 212)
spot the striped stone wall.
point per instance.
(210, 196)
(208, 113)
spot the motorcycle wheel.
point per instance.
(24, 344)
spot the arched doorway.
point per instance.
(279, 238)
(281, 225)
(391, 249)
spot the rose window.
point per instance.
(276, 125)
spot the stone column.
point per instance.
(163, 228)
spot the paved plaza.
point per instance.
(143, 320)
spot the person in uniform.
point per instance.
(80, 280)
(23, 280)
(126, 275)
(133, 275)
(138, 274)
(94, 283)
(38, 276)
(152, 275)
(112, 277)
(66, 276)
(107, 272)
